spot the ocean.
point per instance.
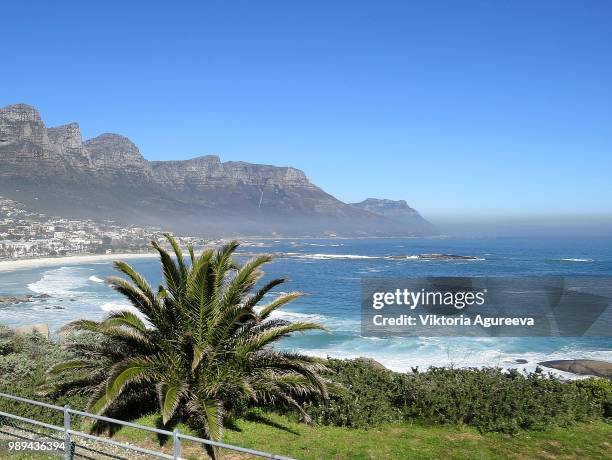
(328, 271)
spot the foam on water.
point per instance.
(112, 307)
(402, 355)
(323, 256)
(333, 323)
(332, 282)
(298, 255)
(60, 282)
(295, 316)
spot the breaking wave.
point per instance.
(403, 354)
(60, 282)
(576, 260)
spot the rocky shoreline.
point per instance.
(590, 367)
(17, 299)
(580, 367)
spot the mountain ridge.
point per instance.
(397, 210)
(108, 177)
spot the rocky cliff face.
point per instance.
(24, 143)
(208, 171)
(116, 157)
(396, 210)
(67, 143)
(107, 177)
(240, 184)
(389, 208)
(29, 149)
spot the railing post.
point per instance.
(177, 443)
(70, 447)
(67, 442)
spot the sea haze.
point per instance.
(329, 272)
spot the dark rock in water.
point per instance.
(17, 299)
(521, 361)
(581, 367)
(436, 256)
(11, 300)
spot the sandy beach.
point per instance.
(12, 265)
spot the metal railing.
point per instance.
(69, 433)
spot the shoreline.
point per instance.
(28, 264)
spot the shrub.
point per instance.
(24, 360)
(367, 398)
(492, 399)
(489, 399)
(600, 391)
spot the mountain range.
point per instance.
(53, 170)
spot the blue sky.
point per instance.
(468, 110)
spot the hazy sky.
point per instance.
(465, 109)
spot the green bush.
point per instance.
(489, 399)
(24, 360)
(367, 399)
(492, 399)
(600, 391)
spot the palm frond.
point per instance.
(69, 366)
(257, 297)
(80, 325)
(126, 319)
(132, 370)
(178, 254)
(260, 340)
(277, 303)
(170, 397)
(136, 278)
(171, 272)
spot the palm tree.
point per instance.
(195, 348)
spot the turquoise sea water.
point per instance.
(329, 272)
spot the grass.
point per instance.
(283, 435)
(592, 440)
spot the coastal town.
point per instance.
(26, 234)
